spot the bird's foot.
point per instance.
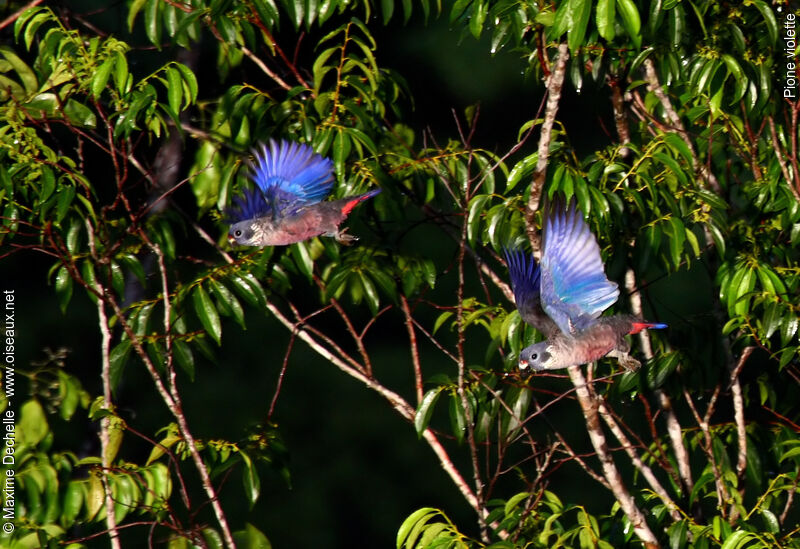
(344, 238)
(626, 360)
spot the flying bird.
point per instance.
(564, 296)
(287, 204)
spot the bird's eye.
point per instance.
(534, 356)
(237, 233)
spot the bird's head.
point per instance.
(244, 233)
(535, 358)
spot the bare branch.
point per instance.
(14, 16)
(396, 401)
(554, 85)
(412, 340)
(105, 423)
(655, 86)
(177, 408)
(674, 429)
(610, 471)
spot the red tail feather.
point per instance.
(637, 327)
(348, 206)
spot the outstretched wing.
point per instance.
(525, 279)
(249, 205)
(574, 286)
(291, 175)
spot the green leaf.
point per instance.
(152, 22)
(605, 12)
(249, 288)
(227, 300)
(116, 432)
(476, 209)
(738, 540)
(170, 439)
(66, 193)
(303, 259)
(518, 399)
(769, 19)
(25, 73)
(441, 319)
(677, 240)
(133, 11)
(72, 503)
(387, 8)
(212, 538)
(523, 168)
(69, 391)
(101, 77)
(207, 313)
(189, 82)
(251, 538)
(658, 370)
(676, 26)
(251, 480)
(370, 292)
(423, 416)
(458, 416)
(656, 16)
(409, 531)
(630, 20)
(741, 294)
(79, 114)
(183, 354)
(174, 89)
(581, 10)
(63, 288)
(117, 360)
(480, 9)
(32, 425)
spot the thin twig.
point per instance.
(467, 409)
(412, 340)
(628, 448)
(14, 16)
(263, 66)
(177, 409)
(722, 492)
(396, 401)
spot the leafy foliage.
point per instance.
(699, 183)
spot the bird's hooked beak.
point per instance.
(525, 369)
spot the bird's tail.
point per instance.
(354, 201)
(639, 326)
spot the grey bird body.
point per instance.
(287, 204)
(605, 337)
(564, 296)
(318, 219)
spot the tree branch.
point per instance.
(654, 86)
(554, 86)
(610, 471)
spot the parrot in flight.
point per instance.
(287, 205)
(565, 294)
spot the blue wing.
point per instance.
(291, 175)
(249, 205)
(574, 286)
(525, 281)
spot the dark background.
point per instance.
(357, 468)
